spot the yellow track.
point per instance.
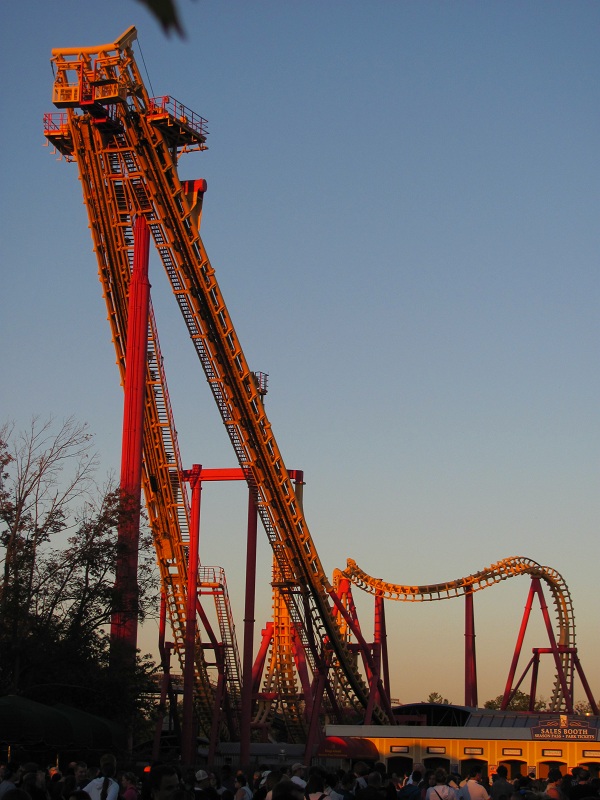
(490, 576)
(127, 147)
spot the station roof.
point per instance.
(461, 716)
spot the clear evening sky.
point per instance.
(403, 213)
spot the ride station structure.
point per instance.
(314, 665)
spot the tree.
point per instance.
(166, 13)
(584, 708)
(519, 702)
(59, 534)
(436, 697)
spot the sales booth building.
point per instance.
(458, 738)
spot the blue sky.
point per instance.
(402, 211)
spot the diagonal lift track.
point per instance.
(127, 146)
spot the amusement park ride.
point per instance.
(313, 663)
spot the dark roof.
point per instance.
(432, 714)
(461, 716)
(488, 718)
(26, 723)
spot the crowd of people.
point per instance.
(296, 782)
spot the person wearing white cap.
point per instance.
(203, 790)
(297, 773)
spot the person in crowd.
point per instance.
(420, 768)
(227, 780)
(273, 779)
(63, 788)
(34, 783)
(387, 785)
(345, 786)
(81, 774)
(260, 782)
(214, 782)
(12, 775)
(582, 788)
(361, 770)
(57, 782)
(427, 782)
(411, 789)
(330, 781)
(472, 788)
(242, 790)
(129, 786)
(105, 787)
(553, 785)
(440, 789)
(17, 794)
(315, 786)
(298, 775)
(163, 781)
(501, 788)
(203, 789)
(286, 789)
(374, 789)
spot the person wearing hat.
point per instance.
(203, 790)
(297, 773)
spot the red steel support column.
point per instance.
(123, 631)
(585, 684)
(534, 679)
(470, 653)
(313, 728)
(246, 711)
(519, 645)
(385, 668)
(378, 635)
(188, 732)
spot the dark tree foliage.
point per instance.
(166, 13)
(58, 545)
(436, 697)
(520, 702)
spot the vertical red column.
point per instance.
(470, 653)
(249, 605)
(123, 632)
(188, 732)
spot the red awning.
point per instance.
(354, 748)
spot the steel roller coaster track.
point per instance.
(490, 576)
(127, 147)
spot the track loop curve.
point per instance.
(489, 576)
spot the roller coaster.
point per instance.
(313, 664)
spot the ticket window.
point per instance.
(515, 768)
(433, 762)
(400, 765)
(544, 768)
